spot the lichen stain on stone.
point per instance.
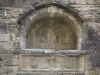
(94, 38)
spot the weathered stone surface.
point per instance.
(4, 74)
(73, 1)
(4, 37)
(97, 20)
(14, 70)
(50, 73)
(94, 72)
(8, 60)
(8, 46)
(92, 1)
(13, 50)
(81, 1)
(95, 59)
(87, 46)
(3, 28)
(3, 13)
(65, 1)
(17, 45)
(36, 62)
(12, 2)
(5, 70)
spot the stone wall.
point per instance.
(10, 41)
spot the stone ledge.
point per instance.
(50, 73)
(51, 51)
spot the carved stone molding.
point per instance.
(53, 60)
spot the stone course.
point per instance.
(11, 43)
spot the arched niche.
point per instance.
(51, 33)
(51, 26)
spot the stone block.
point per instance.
(13, 36)
(11, 73)
(4, 37)
(92, 1)
(11, 61)
(4, 74)
(16, 45)
(3, 28)
(8, 46)
(95, 59)
(92, 24)
(97, 20)
(14, 68)
(73, 1)
(32, 74)
(80, 1)
(12, 2)
(5, 70)
(8, 70)
(86, 46)
(8, 60)
(15, 62)
(2, 13)
(64, 1)
(0, 62)
(1, 49)
(21, 73)
(2, 70)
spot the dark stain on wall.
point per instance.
(12, 2)
(94, 38)
(3, 28)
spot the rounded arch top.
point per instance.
(40, 6)
(41, 11)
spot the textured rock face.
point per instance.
(49, 37)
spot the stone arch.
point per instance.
(51, 10)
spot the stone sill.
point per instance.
(51, 51)
(50, 73)
(54, 70)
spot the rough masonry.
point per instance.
(49, 37)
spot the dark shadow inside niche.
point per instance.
(51, 33)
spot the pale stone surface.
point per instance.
(8, 46)
(4, 74)
(4, 37)
(3, 13)
(55, 62)
(8, 60)
(73, 1)
(65, 1)
(92, 1)
(81, 1)
(11, 44)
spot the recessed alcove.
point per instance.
(51, 33)
(51, 27)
